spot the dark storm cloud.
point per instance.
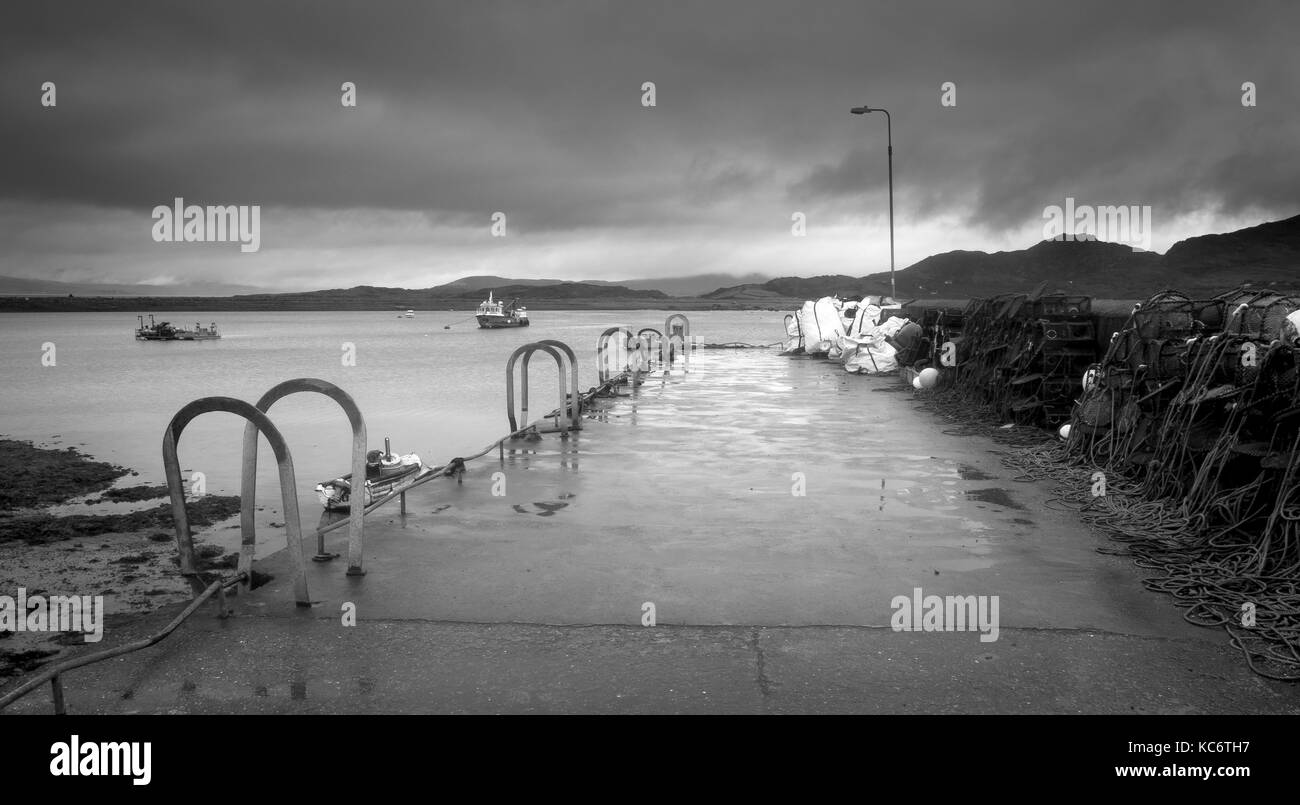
(534, 108)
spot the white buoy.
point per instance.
(916, 382)
(928, 377)
(1065, 431)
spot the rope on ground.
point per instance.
(1199, 546)
(1210, 571)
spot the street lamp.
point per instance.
(889, 131)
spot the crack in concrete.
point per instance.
(764, 684)
(1079, 630)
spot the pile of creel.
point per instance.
(1185, 445)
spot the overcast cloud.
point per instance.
(534, 109)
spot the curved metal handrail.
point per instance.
(651, 348)
(523, 373)
(679, 332)
(602, 344)
(248, 481)
(288, 485)
(527, 351)
(575, 401)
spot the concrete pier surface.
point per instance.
(683, 495)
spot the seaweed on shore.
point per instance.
(131, 494)
(42, 528)
(13, 663)
(36, 476)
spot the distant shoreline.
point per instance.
(176, 304)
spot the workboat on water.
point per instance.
(164, 331)
(199, 333)
(385, 473)
(410, 314)
(494, 313)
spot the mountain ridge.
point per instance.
(1264, 254)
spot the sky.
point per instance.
(747, 161)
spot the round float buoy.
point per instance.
(916, 382)
(928, 377)
(1090, 379)
(1065, 431)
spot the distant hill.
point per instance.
(1086, 267)
(803, 288)
(18, 286)
(1268, 254)
(560, 290)
(563, 295)
(484, 282)
(372, 297)
(694, 285)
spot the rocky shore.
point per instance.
(123, 549)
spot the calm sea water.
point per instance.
(433, 391)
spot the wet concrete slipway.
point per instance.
(765, 601)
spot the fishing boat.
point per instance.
(165, 331)
(385, 472)
(410, 314)
(494, 313)
(155, 331)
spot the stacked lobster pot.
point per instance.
(1198, 402)
(939, 326)
(1024, 355)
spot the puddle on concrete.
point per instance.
(968, 473)
(544, 509)
(995, 496)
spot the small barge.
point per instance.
(165, 331)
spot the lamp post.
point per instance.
(889, 132)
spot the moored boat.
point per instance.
(165, 331)
(155, 331)
(199, 333)
(494, 313)
(385, 472)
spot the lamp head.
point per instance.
(861, 110)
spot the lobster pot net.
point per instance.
(1263, 320)
(1095, 409)
(1166, 316)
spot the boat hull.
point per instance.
(336, 495)
(497, 322)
